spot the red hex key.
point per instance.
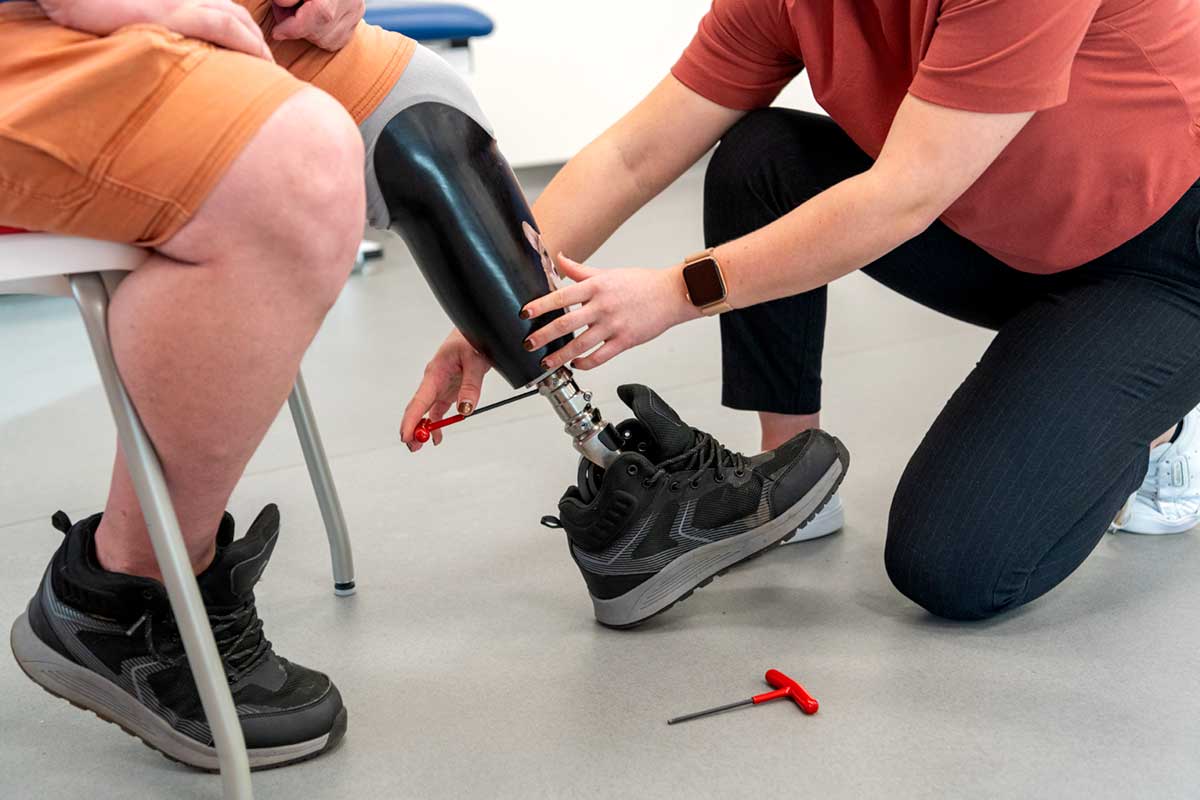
(784, 687)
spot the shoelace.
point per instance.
(240, 639)
(238, 634)
(706, 452)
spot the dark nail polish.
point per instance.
(545, 363)
(528, 345)
(465, 408)
(524, 314)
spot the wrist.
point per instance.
(680, 305)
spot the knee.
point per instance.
(318, 205)
(743, 153)
(939, 569)
(289, 212)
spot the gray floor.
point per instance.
(469, 658)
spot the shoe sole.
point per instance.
(1156, 529)
(695, 570)
(83, 688)
(829, 520)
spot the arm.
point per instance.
(627, 166)
(932, 155)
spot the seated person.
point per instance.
(232, 140)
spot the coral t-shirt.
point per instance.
(1116, 84)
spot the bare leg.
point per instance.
(209, 333)
(1165, 437)
(778, 428)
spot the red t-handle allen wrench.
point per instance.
(426, 426)
(784, 687)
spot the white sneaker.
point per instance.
(830, 519)
(1169, 499)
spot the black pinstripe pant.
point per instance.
(1038, 449)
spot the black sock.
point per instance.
(1178, 430)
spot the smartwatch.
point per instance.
(705, 283)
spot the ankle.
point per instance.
(1169, 436)
(778, 428)
(125, 554)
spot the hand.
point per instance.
(329, 24)
(456, 372)
(620, 309)
(221, 22)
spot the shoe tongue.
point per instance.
(230, 579)
(671, 436)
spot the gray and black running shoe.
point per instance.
(677, 508)
(108, 643)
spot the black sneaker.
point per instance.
(677, 508)
(108, 643)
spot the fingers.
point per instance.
(432, 386)
(601, 356)
(574, 270)
(573, 321)
(240, 13)
(559, 298)
(243, 17)
(220, 24)
(437, 414)
(310, 19)
(472, 382)
(579, 345)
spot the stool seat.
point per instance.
(38, 263)
(430, 21)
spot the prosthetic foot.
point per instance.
(440, 182)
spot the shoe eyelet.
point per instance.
(694, 483)
(647, 483)
(641, 448)
(632, 469)
(719, 478)
(674, 486)
(147, 594)
(739, 473)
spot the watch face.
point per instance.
(704, 283)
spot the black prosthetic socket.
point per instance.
(454, 199)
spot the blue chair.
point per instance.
(431, 22)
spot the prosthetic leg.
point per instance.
(436, 177)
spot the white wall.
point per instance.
(557, 72)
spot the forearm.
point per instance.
(839, 231)
(590, 198)
(628, 166)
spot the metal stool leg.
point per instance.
(322, 481)
(169, 550)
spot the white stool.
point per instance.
(88, 270)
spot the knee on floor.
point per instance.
(940, 574)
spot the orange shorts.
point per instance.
(122, 137)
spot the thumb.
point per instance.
(290, 28)
(574, 270)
